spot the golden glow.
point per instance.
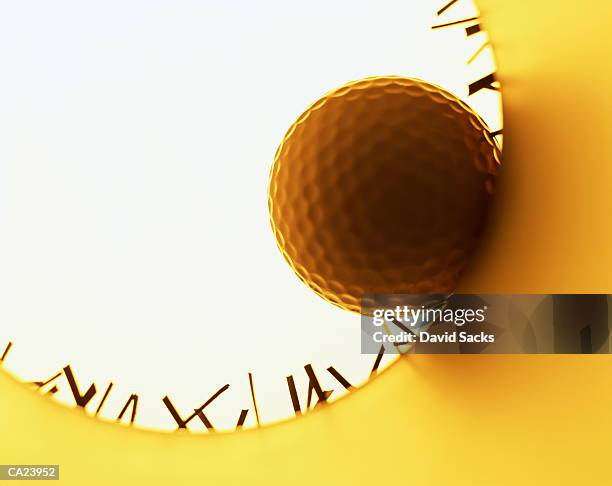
(457, 420)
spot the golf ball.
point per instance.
(382, 186)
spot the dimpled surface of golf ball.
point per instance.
(382, 186)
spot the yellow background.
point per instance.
(428, 420)
(434, 420)
(551, 228)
